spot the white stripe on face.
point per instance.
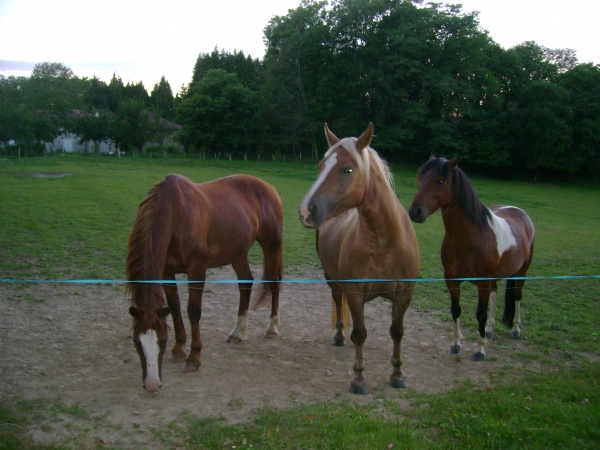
(151, 350)
(504, 237)
(329, 164)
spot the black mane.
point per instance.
(462, 189)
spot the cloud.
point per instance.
(15, 66)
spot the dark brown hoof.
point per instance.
(271, 335)
(358, 388)
(398, 383)
(233, 340)
(178, 357)
(454, 349)
(478, 356)
(190, 367)
(338, 340)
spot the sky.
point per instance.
(142, 40)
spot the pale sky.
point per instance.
(142, 40)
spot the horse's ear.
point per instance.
(135, 312)
(365, 139)
(432, 157)
(453, 162)
(163, 312)
(332, 139)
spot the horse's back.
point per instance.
(517, 218)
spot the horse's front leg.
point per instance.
(399, 307)
(178, 352)
(454, 289)
(340, 305)
(484, 289)
(243, 272)
(196, 290)
(358, 336)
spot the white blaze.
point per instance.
(151, 350)
(329, 164)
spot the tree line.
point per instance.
(427, 75)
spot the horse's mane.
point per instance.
(139, 265)
(462, 189)
(365, 159)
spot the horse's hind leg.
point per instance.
(512, 306)
(273, 262)
(178, 353)
(491, 320)
(399, 307)
(484, 289)
(243, 272)
(192, 363)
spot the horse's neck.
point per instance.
(380, 210)
(458, 224)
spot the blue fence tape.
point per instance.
(358, 280)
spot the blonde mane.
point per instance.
(364, 159)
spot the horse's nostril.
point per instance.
(312, 210)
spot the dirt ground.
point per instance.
(68, 348)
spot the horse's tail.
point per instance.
(269, 281)
(345, 313)
(147, 248)
(509, 304)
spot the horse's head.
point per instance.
(150, 333)
(435, 188)
(343, 179)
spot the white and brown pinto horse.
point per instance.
(479, 242)
(184, 227)
(363, 233)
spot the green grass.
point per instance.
(77, 226)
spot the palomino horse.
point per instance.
(184, 227)
(479, 242)
(364, 234)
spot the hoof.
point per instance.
(398, 383)
(338, 340)
(454, 349)
(478, 356)
(269, 335)
(516, 334)
(233, 340)
(190, 367)
(177, 357)
(358, 388)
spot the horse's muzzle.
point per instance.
(307, 213)
(418, 214)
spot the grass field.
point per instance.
(76, 227)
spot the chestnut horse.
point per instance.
(479, 242)
(184, 227)
(364, 233)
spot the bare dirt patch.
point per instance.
(50, 174)
(66, 346)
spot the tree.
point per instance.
(162, 101)
(130, 126)
(92, 127)
(220, 114)
(583, 84)
(540, 128)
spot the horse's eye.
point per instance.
(348, 170)
(441, 181)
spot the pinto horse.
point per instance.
(363, 232)
(184, 227)
(479, 242)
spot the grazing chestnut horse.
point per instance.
(479, 242)
(184, 227)
(363, 233)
